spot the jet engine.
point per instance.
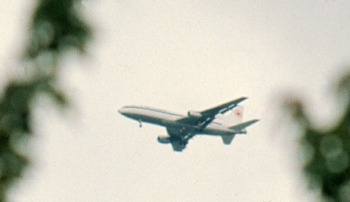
(164, 139)
(194, 114)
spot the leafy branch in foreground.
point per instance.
(326, 154)
(56, 27)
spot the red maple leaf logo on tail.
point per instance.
(238, 113)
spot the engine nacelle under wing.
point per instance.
(164, 139)
(194, 114)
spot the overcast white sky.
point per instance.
(181, 56)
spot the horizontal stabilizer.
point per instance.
(242, 126)
(227, 139)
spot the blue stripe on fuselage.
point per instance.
(159, 111)
(153, 110)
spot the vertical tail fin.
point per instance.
(234, 117)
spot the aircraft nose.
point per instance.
(121, 111)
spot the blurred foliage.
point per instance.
(56, 27)
(326, 154)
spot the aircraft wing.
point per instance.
(178, 145)
(222, 108)
(203, 118)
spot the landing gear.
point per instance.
(140, 123)
(187, 137)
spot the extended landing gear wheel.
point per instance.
(140, 123)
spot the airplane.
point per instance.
(182, 128)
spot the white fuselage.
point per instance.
(169, 120)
